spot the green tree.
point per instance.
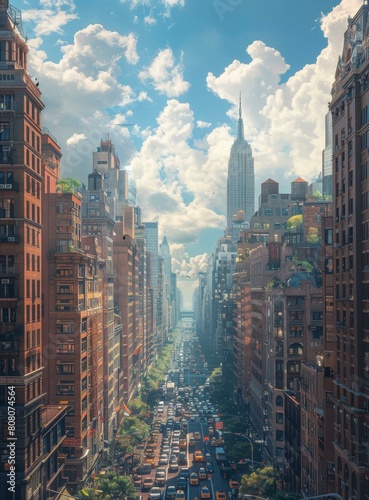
(68, 185)
(317, 195)
(112, 486)
(138, 408)
(260, 483)
(136, 429)
(294, 223)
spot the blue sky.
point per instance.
(174, 69)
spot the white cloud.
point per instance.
(51, 18)
(87, 78)
(166, 3)
(75, 139)
(285, 122)
(202, 124)
(165, 75)
(171, 174)
(149, 20)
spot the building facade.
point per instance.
(350, 124)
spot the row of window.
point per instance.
(33, 262)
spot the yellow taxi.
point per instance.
(198, 456)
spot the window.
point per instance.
(279, 417)
(6, 208)
(295, 350)
(279, 401)
(279, 435)
(64, 368)
(64, 347)
(6, 101)
(4, 131)
(65, 388)
(65, 328)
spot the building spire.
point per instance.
(240, 133)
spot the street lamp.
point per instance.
(248, 439)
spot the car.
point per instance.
(155, 493)
(205, 492)
(150, 461)
(171, 492)
(220, 495)
(185, 472)
(183, 458)
(177, 434)
(234, 484)
(202, 473)
(144, 469)
(176, 450)
(182, 444)
(192, 441)
(173, 463)
(213, 441)
(180, 495)
(182, 483)
(207, 457)
(209, 468)
(197, 435)
(165, 449)
(163, 459)
(161, 477)
(194, 479)
(147, 484)
(137, 479)
(198, 456)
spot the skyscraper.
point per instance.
(241, 178)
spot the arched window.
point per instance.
(295, 349)
(279, 401)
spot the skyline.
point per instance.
(138, 63)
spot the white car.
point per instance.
(155, 493)
(163, 459)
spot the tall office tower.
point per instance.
(97, 222)
(21, 368)
(106, 161)
(152, 247)
(350, 121)
(165, 254)
(241, 178)
(327, 157)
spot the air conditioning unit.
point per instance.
(8, 186)
(5, 282)
(6, 148)
(2, 186)
(11, 238)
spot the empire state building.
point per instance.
(241, 178)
